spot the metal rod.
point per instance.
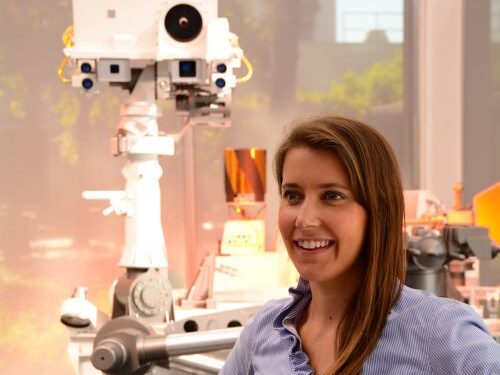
(197, 363)
(155, 348)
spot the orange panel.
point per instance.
(459, 217)
(487, 210)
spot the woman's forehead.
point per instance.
(321, 167)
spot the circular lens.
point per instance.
(87, 83)
(183, 22)
(221, 68)
(219, 82)
(86, 68)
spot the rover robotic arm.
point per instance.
(157, 50)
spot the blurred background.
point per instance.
(426, 73)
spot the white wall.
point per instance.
(440, 81)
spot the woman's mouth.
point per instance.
(313, 245)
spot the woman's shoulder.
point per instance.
(429, 318)
(448, 336)
(415, 303)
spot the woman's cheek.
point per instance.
(286, 222)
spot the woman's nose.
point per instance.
(307, 216)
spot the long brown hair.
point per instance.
(374, 175)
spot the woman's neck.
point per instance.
(329, 304)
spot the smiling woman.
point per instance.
(341, 219)
(322, 224)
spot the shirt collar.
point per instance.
(286, 322)
(300, 290)
(300, 297)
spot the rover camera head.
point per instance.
(141, 30)
(192, 49)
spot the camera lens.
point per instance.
(87, 83)
(86, 68)
(219, 82)
(183, 22)
(221, 68)
(187, 68)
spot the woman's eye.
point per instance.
(333, 196)
(291, 196)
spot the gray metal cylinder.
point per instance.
(154, 348)
(109, 355)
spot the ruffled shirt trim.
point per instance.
(286, 322)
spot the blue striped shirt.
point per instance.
(424, 334)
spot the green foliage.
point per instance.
(105, 107)
(381, 83)
(16, 109)
(211, 138)
(66, 109)
(9, 278)
(12, 90)
(30, 334)
(39, 15)
(13, 81)
(254, 100)
(259, 26)
(253, 18)
(68, 149)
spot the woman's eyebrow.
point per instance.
(290, 185)
(328, 185)
(334, 185)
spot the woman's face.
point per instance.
(322, 225)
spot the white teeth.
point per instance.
(310, 244)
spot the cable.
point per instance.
(249, 70)
(235, 43)
(67, 39)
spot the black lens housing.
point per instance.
(86, 67)
(187, 68)
(221, 68)
(183, 22)
(87, 83)
(220, 82)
